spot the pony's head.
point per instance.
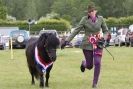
(47, 44)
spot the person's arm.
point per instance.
(104, 26)
(73, 34)
(104, 29)
(76, 30)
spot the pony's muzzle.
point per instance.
(53, 58)
(52, 54)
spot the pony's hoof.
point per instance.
(32, 83)
(46, 85)
(94, 86)
(41, 85)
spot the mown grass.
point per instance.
(117, 74)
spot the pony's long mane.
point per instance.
(47, 41)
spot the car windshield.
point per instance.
(17, 33)
(49, 31)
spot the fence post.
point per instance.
(11, 47)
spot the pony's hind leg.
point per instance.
(48, 75)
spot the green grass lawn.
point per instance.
(117, 74)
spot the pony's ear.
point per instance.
(42, 40)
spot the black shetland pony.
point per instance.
(46, 44)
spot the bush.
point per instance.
(122, 21)
(59, 25)
(112, 21)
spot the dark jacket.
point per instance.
(89, 28)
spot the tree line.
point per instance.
(71, 10)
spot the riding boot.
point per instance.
(97, 63)
(94, 86)
(82, 67)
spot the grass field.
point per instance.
(117, 74)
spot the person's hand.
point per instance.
(101, 43)
(63, 44)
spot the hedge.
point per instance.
(111, 21)
(59, 25)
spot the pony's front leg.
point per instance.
(47, 78)
(48, 75)
(41, 80)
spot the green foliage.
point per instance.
(2, 11)
(31, 10)
(16, 8)
(112, 21)
(129, 19)
(113, 8)
(44, 7)
(67, 17)
(52, 15)
(25, 9)
(59, 25)
(128, 5)
(72, 10)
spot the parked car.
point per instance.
(19, 38)
(49, 31)
(129, 39)
(113, 36)
(78, 40)
(131, 28)
(120, 37)
(2, 43)
(129, 36)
